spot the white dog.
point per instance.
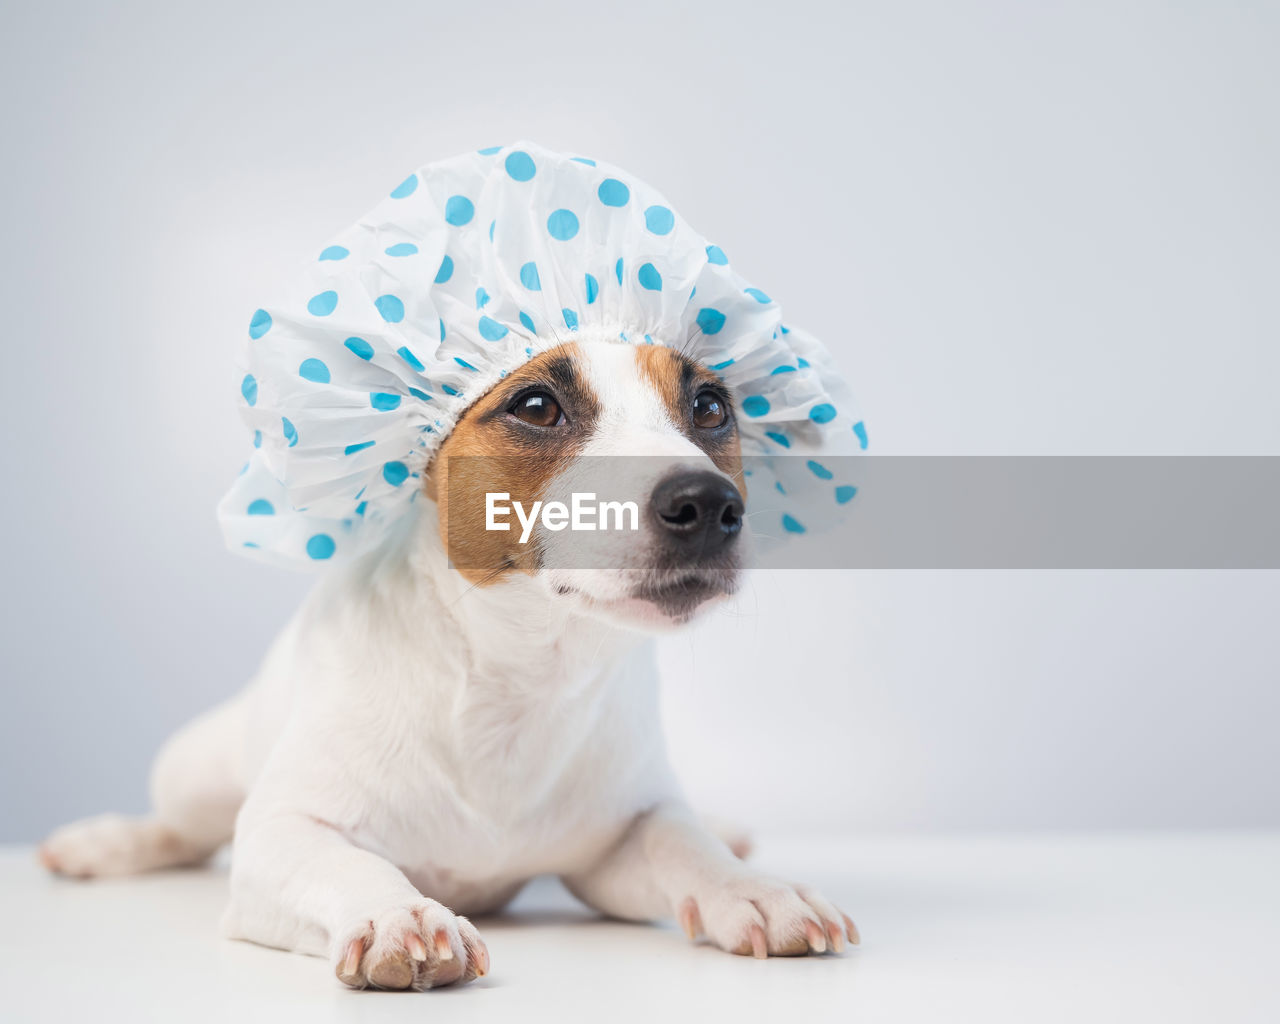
(422, 739)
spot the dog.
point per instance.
(431, 731)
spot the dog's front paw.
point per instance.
(417, 946)
(759, 916)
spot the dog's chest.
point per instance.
(510, 781)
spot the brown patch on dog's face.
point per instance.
(689, 391)
(493, 449)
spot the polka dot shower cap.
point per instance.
(359, 369)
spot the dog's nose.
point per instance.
(699, 510)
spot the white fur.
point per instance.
(413, 743)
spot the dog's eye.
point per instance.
(538, 408)
(709, 411)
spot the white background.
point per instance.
(1023, 228)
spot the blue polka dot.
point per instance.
(823, 412)
(860, 431)
(395, 473)
(802, 363)
(659, 220)
(819, 470)
(360, 347)
(777, 486)
(489, 150)
(257, 439)
(612, 192)
(314, 370)
(755, 405)
(570, 319)
(384, 401)
(716, 255)
(419, 394)
(361, 507)
(261, 507)
(323, 304)
(492, 224)
(351, 449)
(792, 525)
(321, 546)
(405, 188)
(482, 297)
(404, 353)
(459, 210)
(401, 249)
(442, 328)
(464, 364)
(527, 320)
(391, 308)
(721, 366)
(446, 270)
(290, 431)
(593, 289)
(562, 225)
(249, 388)
(649, 277)
(710, 320)
(520, 165)
(583, 160)
(335, 252)
(491, 330)
(845, 493)
(784, 368)
(529, 277)
(260, 324)
(777, 438)
(449, 391)
(758, 295)
(617, 270)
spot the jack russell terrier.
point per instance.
(431, 731)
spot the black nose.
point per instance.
(697, 510)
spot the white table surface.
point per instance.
(1124, 927)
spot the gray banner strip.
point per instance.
(1047, 513)
(933, 512)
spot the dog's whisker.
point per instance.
(484, 580)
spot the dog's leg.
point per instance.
(669, 864)
(196, 789)
(298, 883)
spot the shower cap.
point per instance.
(358, 370)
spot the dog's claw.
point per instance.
(477, 954)
(817, 941)
(835, 937)
(417, 948)
(687, 915)
(443, 950)
(347, 971)
(852, 929)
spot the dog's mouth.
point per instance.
(679, 594)
(661, 598)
